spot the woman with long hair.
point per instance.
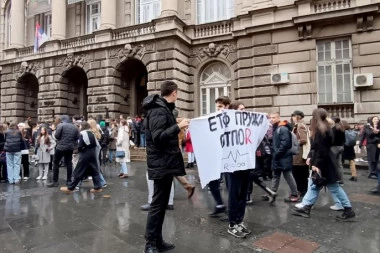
(25, 152)
(88, 161)
(14, 143)
(122, 145)
(98, 135)
(371, 134)
(44, 145)
(321, 162)
(3, 162)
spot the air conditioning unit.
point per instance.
(363, 80)
(279, 78)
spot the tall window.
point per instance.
(93, 16)
(47, 25)
(148, 10)
(8, 26)
(334, 71)
(214, 10)
(215, 81)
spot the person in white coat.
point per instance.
(45, 145)
(122, 145)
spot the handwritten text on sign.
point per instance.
(226, 141)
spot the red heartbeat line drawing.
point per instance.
(234, 157)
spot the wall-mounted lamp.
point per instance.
(32, 104)
(75, 101)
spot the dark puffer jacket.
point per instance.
(13, 141)
(163, 154)
(282, 142)
(67, 134)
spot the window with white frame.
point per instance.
(215, 81)
(334, 72)
(93, 16)
(147, 10)
(47, 24)
(8, 26)
(214, 10)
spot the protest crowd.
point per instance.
(310, 156)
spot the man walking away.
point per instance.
(164, 159)
(67, 135)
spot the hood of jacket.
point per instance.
(65, 119)
(285, 123)
(155, 100)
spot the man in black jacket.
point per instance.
(67, 135)
(164, 159)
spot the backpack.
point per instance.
(295, 145)
(350, 138)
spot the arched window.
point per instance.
(214, 10)
(8, 27)
(215, 81)
(147, 10)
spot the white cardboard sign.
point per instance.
(226, 141)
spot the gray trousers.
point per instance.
(288, 175)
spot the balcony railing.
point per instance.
(211, 29)
(331, 5)
(78, 41)
(29, 51)
(344, 111)
(132, 31)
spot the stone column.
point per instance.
(58, 8)
(17, 23)
(108, 14)
(169, 8)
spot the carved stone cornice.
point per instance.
(128, 51)
(213, 51)
(70, 60)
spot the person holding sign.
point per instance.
(164, 159)
(221, 103)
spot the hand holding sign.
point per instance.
(184, 123)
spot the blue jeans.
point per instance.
(13, 166)
(102, 180)
(124, 168)
(110, 154)
(337, 193)
(142, 139)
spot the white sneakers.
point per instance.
(39, 178)
(336, 208)
(44, 177)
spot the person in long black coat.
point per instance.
(164, 159)
(372, 134)
(88, 161)
(320, 159)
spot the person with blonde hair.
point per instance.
(98, 135)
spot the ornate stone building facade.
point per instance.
(104, 56)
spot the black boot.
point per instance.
(150, 248)
(354, 179)
(375, 190)
(303, 212)
(188, 165)
(191, 165)
(217, 211)
(347, 215)
(164, 246)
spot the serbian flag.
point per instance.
(40, 37)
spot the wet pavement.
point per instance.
(39, 219)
